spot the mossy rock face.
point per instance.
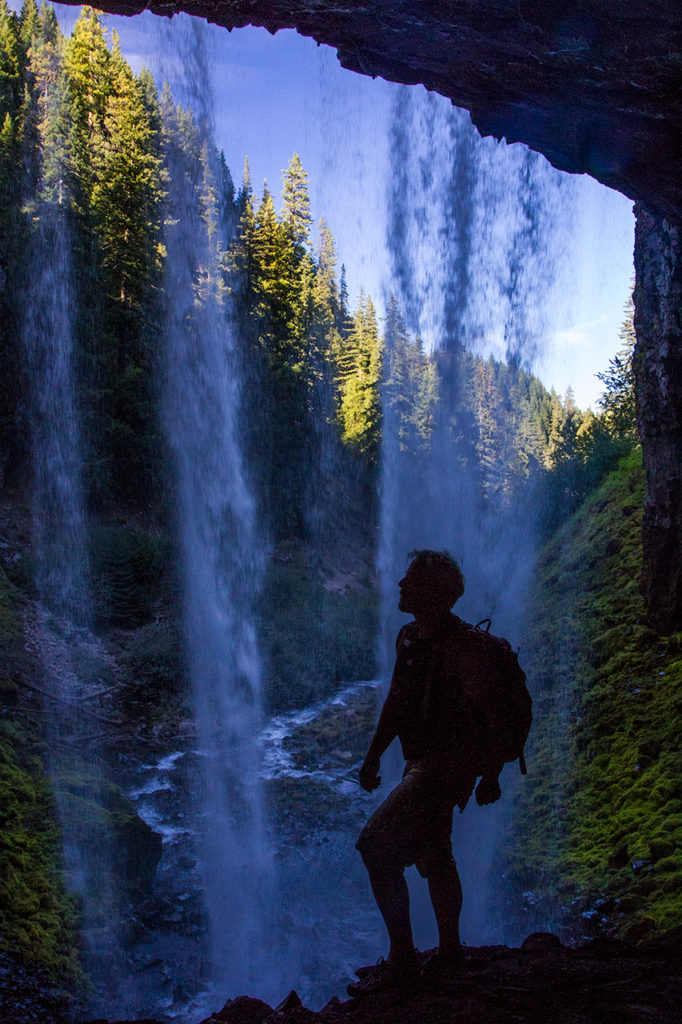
(36, 914)
(599, 810)
(107, 833)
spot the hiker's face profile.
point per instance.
(420, 591)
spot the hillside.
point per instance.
(596, 842)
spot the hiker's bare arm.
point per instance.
(386, 731)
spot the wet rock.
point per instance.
(105, 817)
(29, 996)
(602, 981)
(243, 1010)
(657, 366)
(290, 1002)
(539, 942)
(605, 981)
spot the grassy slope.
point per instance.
(36, 915)
(598, 829)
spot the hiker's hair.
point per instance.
(442, 567)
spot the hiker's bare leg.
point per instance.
(445, 890)
(393, 899)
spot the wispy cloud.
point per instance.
(581, 334)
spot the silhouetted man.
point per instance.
(427, 710)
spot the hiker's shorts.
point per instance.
(414, 823)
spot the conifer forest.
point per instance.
(213, 462)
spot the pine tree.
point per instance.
(30, 22)
(426, 394)
(323, 342)
(326, 286)
(296, 202)
(491, 426)
(555, 435)
(343, 297)
(360, 372)
(126, 198)
(398, 388)
(12, 230)
(11, 60)
(281, 313)
(617, 402)
(87, 65)
(47, 119)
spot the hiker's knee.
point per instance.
(379, 857)
(436, 862)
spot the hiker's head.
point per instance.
(432, 583)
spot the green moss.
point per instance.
(36, 915)
(608, 720)
(100, 819)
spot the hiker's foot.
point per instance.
(385, 975)
(444, 963)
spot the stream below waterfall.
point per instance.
(309, 770)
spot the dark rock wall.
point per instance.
(595, 85)
(658, 373)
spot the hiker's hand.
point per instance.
(488, 790)
(369, 775)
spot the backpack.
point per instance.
(495, 687)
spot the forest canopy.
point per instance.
(87, 149)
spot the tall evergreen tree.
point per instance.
(126, 199)
(12, 229)
(296, 202)
(87, 65)
(360, 370)
(617, 401)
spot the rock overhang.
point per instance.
(594, 85)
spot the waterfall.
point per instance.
(59, 533)
(221, 558)
(478, 234)
(476, 239)
(58, 625)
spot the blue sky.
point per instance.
(273, 95)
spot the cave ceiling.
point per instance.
(596, 85)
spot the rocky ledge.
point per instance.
(604, 982)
